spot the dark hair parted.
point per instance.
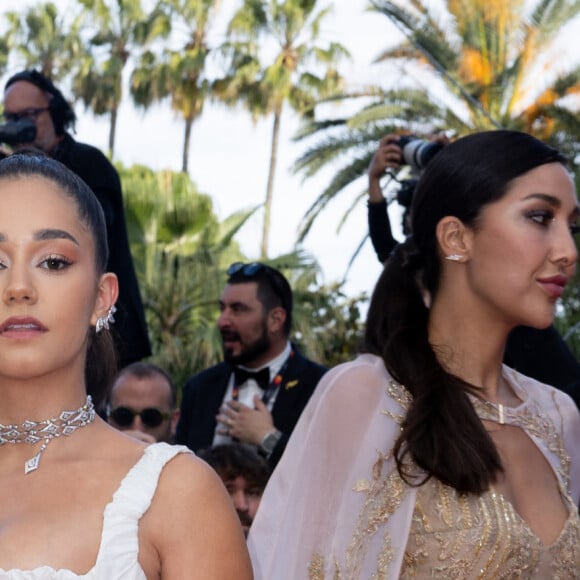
(441, 432)
(60, 111)
(101, 365)
(236, 460)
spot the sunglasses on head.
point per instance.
(252, 269)
(150, 417)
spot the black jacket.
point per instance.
(204, 393)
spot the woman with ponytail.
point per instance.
(427, 456)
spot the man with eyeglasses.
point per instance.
(142, 403)
(257, 394)
(30, 95)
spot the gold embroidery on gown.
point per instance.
(472, 536)
(461, 537)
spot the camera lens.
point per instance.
(417, 153)
(14, 132)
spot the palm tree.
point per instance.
(179, 73)
(490, 65)
(43, 39)
(116, 28)
(181, 251)
(276, 58)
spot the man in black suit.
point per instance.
(33, 96)
(257, 395)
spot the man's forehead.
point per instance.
(151, 386)
(25, 89)
(242, 292)
(241, 481)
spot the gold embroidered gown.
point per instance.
(336, 508)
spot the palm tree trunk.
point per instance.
(112, 132)
(186, 142)
(270, 186)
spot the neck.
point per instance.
(471, 349)
(38, 399)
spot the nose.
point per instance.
(566, 252)
(240, 502)
(19, 287)
(223, 320)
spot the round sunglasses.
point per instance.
(150, 417)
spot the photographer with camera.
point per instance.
(539, 353)
(395, 151)
(37, 116)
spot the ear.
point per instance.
(454, 239)
(107, 294)
(276, 319)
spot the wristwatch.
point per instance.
(268, 443)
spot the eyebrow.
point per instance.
(54, 234)
(48, 234)
(552, 200)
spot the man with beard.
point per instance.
(258, 393)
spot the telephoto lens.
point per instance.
(417, 153)
(21, 131)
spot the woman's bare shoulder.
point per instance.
(191, 528)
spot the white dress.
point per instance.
(118, 557)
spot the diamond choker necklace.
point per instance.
(33, 432)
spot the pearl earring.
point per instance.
(454, 257)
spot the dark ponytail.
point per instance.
(441, 432)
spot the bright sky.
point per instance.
(229, 157)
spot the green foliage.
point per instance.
(484, 57)
(178, 73)
(275, 57)
(181, 252)
(40, 38)
(115, 31)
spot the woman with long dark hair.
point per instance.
(78, 499)
(426, 456)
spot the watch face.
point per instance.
(269, 442)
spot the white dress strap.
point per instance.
(119, 551)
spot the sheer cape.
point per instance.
(335, 507)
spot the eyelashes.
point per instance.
(55, 263)
(544, 218)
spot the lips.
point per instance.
(229, 337)
(554, 285)
(21, 326)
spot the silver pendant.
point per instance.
(32, 464)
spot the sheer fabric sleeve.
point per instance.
(335, 506)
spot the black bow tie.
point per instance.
(262, 377)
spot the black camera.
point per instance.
(417, 153)
(15, 132)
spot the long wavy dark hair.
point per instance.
(101, 363)
(441, 432)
